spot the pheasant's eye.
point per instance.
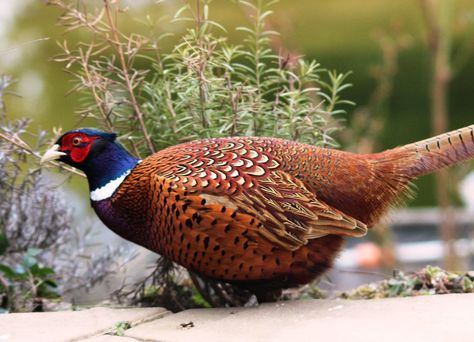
(76, 141)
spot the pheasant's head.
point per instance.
(78, 147)
(95, 152)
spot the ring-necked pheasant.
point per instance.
(250, 211)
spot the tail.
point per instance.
(395, 169)
(441, 151)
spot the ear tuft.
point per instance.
(110, 136)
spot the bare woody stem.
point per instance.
(24, 147)
(99, 102)
(201, 66)
(437, 14)
(123, 64)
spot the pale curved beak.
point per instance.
(52, 154)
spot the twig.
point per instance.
(353, 271)
(197, 282)
(97, 99)
(118, 48)
(19, 46)
(24, 147)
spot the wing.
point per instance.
(279, 208)
(291, 214)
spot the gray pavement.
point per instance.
(71, 325)
(429, 318)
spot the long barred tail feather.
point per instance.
(395, 169)
(432, 154)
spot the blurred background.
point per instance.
(393, 50)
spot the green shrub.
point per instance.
(204, 87)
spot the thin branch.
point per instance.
(97, 99)
(202, 290)
(438, 18)
(118, 48)
(25, 148)
(21, 45)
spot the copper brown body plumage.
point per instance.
(264, 210)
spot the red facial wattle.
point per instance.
(77, 152)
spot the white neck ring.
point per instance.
(108, 189)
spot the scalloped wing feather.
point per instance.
(292, 214)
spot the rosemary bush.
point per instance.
(208, 88)
(204, 87)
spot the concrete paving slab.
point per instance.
(109, 338)
(431, 318)
(70, 325)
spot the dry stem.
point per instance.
(437, 15)
(119, 49)
(24, 147)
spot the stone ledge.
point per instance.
(71, 325)
(430, 318)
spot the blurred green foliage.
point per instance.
(337, 33)
(25, 285)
